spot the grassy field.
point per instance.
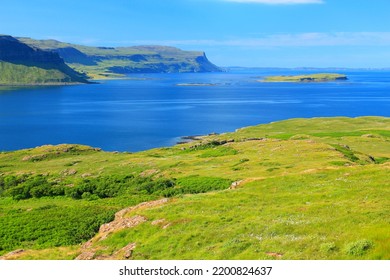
(297, 189)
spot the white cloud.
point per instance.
(288, 40)
(278, 2)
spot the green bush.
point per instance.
(25, 187)
(50, 225)
(156, 187)
(347, 152)
(358, 248)
(197, 184)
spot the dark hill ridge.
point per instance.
(13, 51)
(23, 64)
(103, 61)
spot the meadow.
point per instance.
(297, 189)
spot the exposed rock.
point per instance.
(126, 251)
(68, 172)
(120, 222)
(85, 175)
(33, 158)
(11, 254)
(86, 256)
(235, 184)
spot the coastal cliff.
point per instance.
(103, 62)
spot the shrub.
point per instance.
(328, 247)
(51, 225)
(158, 186)
(358, 248)
(197, 184)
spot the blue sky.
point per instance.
(263, 33)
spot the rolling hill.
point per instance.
(297, 189)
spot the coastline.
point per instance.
(46, 84)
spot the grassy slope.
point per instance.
(321, 77)
(23, 65)
(309, 190)
(13, 74)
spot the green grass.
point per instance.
(316, 216)
(51, 225)
(308, 189)
(13, 74)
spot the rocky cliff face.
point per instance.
(15, 52)
(158, 61)
(123, 60)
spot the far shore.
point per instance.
(196, 85)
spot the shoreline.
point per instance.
(191, 138)
(47, 84)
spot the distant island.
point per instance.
(321, 77)
(26, 61)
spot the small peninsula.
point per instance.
(320, 77)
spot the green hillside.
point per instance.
(297, 189)
(108, 62)
(21, 64)
(14, 74)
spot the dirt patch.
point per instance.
(149, 172)
(119, 224)
(12, 254)
(235, 185)
(275, 255)
(126, 252)
(121, 221)
(87, 255)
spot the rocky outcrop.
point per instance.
(122, 221)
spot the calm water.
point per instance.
(133, 115)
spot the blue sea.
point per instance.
(151, 110)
